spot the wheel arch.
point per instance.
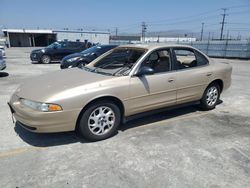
(219, 82)
(46, 54)
(113, 99)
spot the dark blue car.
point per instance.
(56, 51)
(85, 57)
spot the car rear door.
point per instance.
(192, 74)
(155, 91)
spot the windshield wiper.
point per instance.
(100, 72)
(87, 69)
(122, 71)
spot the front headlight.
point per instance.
(43, 107)
(74, 59)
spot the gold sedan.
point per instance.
(128, 80)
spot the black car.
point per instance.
(85, 57)
(56, 51)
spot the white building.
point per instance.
(169, 39)
(41, 37)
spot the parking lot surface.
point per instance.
(185, 147)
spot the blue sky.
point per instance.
(127, 15)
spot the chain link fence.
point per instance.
(221, 49)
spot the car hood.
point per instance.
(36, 51)
(73, 55)
(60, 85)
(83, 55)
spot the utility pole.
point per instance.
(143, 31)
(209, 36)
(116, 31)
(202, 29)
(227, 34)
(223, 22)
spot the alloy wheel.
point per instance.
(212, 96)
(101, 120)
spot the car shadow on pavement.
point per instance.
(4, 74)
(47, 139)
(167, 114)
(64, 138)
(54, 62)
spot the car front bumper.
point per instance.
(43, 122)
(65, 64)
(35, 57)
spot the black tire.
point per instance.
(45, 59)
(209, 102)
(83, 126)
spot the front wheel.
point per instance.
(99, 121)
(45, 59)
(210, 97)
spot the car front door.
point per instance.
(148, 92)
(192, 74)
(60, 51)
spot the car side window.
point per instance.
(201, 59)
(62, 45)
(159, 61)
(185, 58)
(188, 58)
(72, 45)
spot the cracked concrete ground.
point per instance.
(179, 148)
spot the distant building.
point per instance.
(120, 39)
(169, 39)
(44, 37)
(138, 39)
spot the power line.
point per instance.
(235, 23)
(223, 22)
(183, 18)
(238, 6)
(241, 12)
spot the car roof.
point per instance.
(107, 45)
(155, 46)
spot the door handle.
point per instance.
(170, 80)
(209, 74)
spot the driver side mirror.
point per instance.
(145, 70)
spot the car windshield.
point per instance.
(54, 45)
(117, 63)
(91, 50)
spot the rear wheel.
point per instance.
(45, 59)
(99, 121)
(210, 97)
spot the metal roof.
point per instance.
(45, 31)
(51, 31)
(80, 31)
